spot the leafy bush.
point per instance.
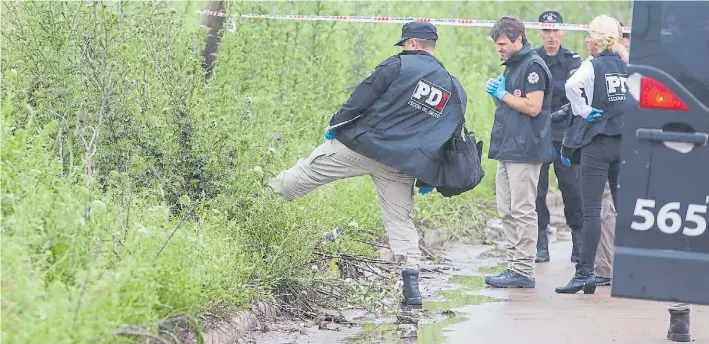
(132, 189)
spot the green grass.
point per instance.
(165, 210)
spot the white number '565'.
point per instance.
(668, 220)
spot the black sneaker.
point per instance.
(511, 280)
(603, 281)
(501, 274)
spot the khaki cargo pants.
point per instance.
(332, 161)
(516, 194)
(604, 253)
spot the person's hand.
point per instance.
(500, 91)
(329, 134)
(594, 115)
(425, 190)
(566, 162)
(491, 86)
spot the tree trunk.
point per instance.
(215, 23)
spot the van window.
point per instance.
(676, 40)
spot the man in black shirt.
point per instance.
(562, 63)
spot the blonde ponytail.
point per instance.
(606, 33)
(613, 44)
(619, 48)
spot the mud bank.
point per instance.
(446, 289)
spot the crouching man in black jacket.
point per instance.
(394, 128)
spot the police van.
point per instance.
(662, 240)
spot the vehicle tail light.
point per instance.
(655, 95)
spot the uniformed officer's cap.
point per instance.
(551, 17)
(418, 29)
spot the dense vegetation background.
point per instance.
(132, 189)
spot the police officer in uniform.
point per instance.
(521, 142)
(597, 93)
(393, 128)
(562, 63)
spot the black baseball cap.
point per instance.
(551, 17)
(417, 29)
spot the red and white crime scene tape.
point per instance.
(402, 20)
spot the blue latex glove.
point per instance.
(491, 86)
(501, 91)
(594, 115)
(566, 162)
(329, 134)
(425, 190)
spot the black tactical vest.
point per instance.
(610, 94)
(408, 125)
(560, 66)
(516, 136)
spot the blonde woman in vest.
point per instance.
(597, 93)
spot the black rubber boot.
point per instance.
(583, 280)
(412, 296)
(576, 246)
(542, 245)
(679, 326)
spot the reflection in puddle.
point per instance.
(405, 333)
(456, 299)
(468, 282)
(434, 318)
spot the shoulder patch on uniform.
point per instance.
(388, 61)
(370, 78)
(533, 77)
(573, 54)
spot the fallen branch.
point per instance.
(427, 252)
(370, 243)
(346, 256)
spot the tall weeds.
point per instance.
(133, 190)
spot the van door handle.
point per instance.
(699, 139)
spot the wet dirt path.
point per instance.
(445, 291)
(542, 316)
(457, 309)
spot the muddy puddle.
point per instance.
(445, 297)
(448, 294)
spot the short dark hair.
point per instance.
(511, 27)
(426, 43)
